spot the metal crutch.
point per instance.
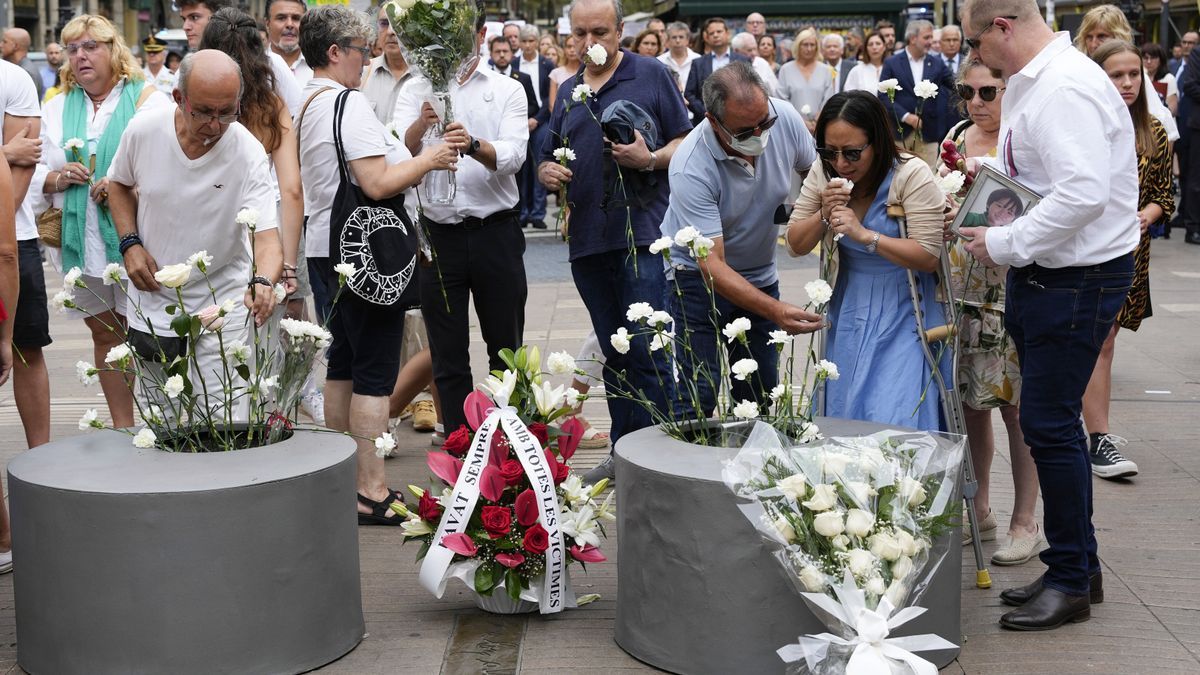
(947, 335)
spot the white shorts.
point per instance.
(97, 298)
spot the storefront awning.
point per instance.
(728, 8)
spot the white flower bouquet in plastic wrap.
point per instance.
(856, 520)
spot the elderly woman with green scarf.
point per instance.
(102, 90)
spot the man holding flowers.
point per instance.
(728, 183)
(610, 261)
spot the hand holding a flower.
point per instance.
(554, 176)
(844, 222)
(836, 193)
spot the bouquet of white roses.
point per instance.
(438, 37)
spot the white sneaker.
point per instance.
(5, 562)
(313, 405)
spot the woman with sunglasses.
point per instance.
(989, 375)
(1156, 200)
(884, 375)
(103, 88)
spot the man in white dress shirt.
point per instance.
(156, 70)
(679, 55)
(747, 46)
(833, 49)
(476, 240)
(1067, 136)
(283, 34)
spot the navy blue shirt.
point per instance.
(640, 80)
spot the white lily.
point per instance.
(546, 397)
(581, 525)
(501, 389)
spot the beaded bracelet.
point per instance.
(129, 241)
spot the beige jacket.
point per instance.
(913, 196)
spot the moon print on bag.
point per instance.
(374, 241)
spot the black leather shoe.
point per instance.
(1192, 237)
(1048, 609)
(1021, 594)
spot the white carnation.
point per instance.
(560, 363)
(638, 311)
(779, 337)
(201, 259)
(659, 319)
(746, 410)
(925, 89)
(113, 274)
(63, 300)
(620, 340)
(71, 278)
(661, 340)
(827, 369)
(384, 445)
(86, 373)
(952, 183)
(90, 420)
(564, 155)
(686, 235)
(118, 354)
(889, 86)
(144, 439)
(819, 291)
(661, 244)
(743, 369)
(597, 55)
(736, 329)
(345, 269)
(173, 386)
(248, 218)
(580, 93)
(778, 391)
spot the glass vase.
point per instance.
(439, 186)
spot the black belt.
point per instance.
(473, 223)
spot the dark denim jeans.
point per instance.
(533, 195)
(608, 285)
(692, 306)
(1058, 319)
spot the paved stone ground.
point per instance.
(1148, 526)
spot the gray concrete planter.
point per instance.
(144, 561)
(698, 590)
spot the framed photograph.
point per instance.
(994, 199)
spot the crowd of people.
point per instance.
(734, 134)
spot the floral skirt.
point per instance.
(989, 373)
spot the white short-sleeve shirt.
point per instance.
(18, 97)
(189, 205)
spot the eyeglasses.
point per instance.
(973, 43)
(850, 154)
(207, 118)
(365, 51)
(752, 131)
(966, 92)
(88, 46)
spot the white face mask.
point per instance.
(751, 147)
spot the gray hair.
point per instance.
(734, 81)
(328, 25)
(744, 41)
(982, 12)
(679, 25)
(834, 36)
(618, 8)
(952, 27)
(528, 31)
(914, 28)
(184, 73)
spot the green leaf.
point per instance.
(243, 371)
(171, 309)
(485, 578)
(512, 582)
(424, 550)
(181, 324)
(509, 359)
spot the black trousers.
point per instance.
(484, 258)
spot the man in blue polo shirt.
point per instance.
(617, 202)
(729, 180)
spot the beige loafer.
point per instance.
(987, 529)
(1019, 549)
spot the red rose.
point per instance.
(428, 508)
(536, 539)
(540, 432)
(512, 471)
(497, 520)
(561, 472)
(458, 442)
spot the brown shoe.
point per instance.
(424, 416)
(1048, 609)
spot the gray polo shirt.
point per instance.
(724, 196)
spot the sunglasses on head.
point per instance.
(966, 92)
(850, 154)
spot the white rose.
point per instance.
(860, 562)
(173, 386)
(174, 276)
(885, 545)
(861, 492)
(793, 487)
(686, 235)
(661, 244)
(113, 274)
(875, 586)
(812, 579)
(827, 369)
(597, 55)
(819, 291)
(782, 525)
(118, 354)
(840, 542)
(834, 463)
(746, 410)
(744, 368)
(908, 544)
(824, 498)
(859, 522)
(563, 155)
(72, 278)
(897, 593)
(829, 524)
(89, 420)
(638, 311)
(912, 492)
(620, 340)
(560, 363)
(925, 89)
(736, 329)
(144, 439)
(902, 568)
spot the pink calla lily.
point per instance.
(527, 508)
(460, 544)
(476, 407)
(588, 553)
(572, 433)
(491, 483)
(510, 560)
(445, 466)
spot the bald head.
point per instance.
(210, 73)
(16, 44)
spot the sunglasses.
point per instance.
(752, 131)
(973, 43)
(966, 92)
(851, 154)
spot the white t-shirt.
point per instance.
(363, 135)
(55, 158)
(285, 83)
(18, 97)
(189, 205)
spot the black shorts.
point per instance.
(31, 321)
(366, 338)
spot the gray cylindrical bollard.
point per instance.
(144, 561)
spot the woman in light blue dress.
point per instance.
(884, 376)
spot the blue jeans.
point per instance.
(692, 306)
(322, 299)
(533, 195)
(608, 285)
(1058, 320)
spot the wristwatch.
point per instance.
(871, 247)
(472, 147)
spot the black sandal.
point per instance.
(381, 512)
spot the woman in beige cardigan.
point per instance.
(873, 341)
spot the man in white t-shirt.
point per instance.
(176, 185)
